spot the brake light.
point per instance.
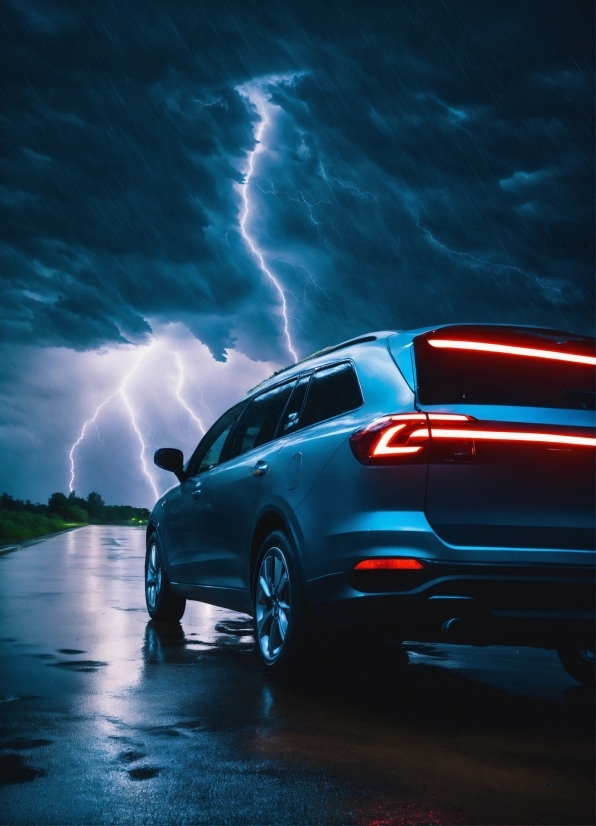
(504, 436)
(400, 438)
(388, 564)
(383, 448)
(389, 439)
(532, 352)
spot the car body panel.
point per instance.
(180, 528)
(511, 494)
(231, 492)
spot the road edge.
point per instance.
(14, 546)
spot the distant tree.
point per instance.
(57, 503)
(77, 501)
(95, 507)
(68, 508)
(9, 503)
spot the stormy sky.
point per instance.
(191, 193)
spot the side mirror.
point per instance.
(170, 458)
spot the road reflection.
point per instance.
(97, 699)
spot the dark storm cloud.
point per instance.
(460, 161)
(429, 162)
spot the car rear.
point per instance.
(466, 510)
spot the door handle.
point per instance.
(261, 468)
(196, 491)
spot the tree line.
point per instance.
(73, 508)
(25, 519)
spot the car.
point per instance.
(436, 484)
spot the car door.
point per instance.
(517, 471)
(184, 509)
(333, 390)
(231, 490)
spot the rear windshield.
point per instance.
(505, 366)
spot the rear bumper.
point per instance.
(498, 604)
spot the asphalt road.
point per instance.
(106, 717)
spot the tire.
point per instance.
(278, 605)
(579, 663)
(162, 604)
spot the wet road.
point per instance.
(108, 718)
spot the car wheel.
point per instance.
(278, 614)
(579, 662)
(162, 604)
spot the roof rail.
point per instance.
(323, 352)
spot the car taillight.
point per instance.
(388, 564)
(506, 432)
(397, 438)
(510, 350)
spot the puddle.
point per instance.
(239, 628)
(131, 756)
(144, 772)
(23, 743)
(78, 665)
(14, 769)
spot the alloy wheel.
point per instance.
(153, 577)
(273, 604)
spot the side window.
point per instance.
(332, 391)
(291, 417)
(259, 423)
(209, 452)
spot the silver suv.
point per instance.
(437, 483)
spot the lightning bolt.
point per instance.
(484, 263)
(133, 420)
(179, 396)
(301, 200)
(361, 193)
(263, 107)
(93, 421)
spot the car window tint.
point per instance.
(259, 423)
(291, 417)
(332, 391)
(209, 452)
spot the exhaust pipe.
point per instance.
(453, 628)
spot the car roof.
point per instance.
(318, 358)
(321, 357)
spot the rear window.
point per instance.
(505, 366)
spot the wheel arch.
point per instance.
(269, 521)
(151, 528)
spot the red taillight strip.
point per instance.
(505, 436)
(510, 350)
(387, 438)
(411, 417)
(382, 447)
(388, 564)
(448, 417)
(421, 417)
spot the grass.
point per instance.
(15, 527)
